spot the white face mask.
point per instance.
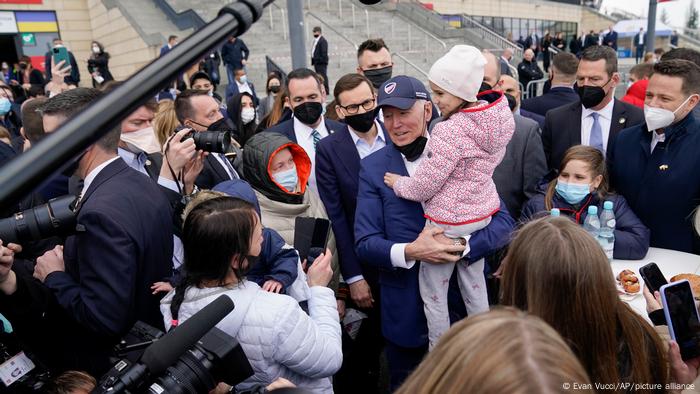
(143, 140)
(658, 118)
(96, 50)
(247, 115)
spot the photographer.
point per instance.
(97, 285)
(198, 111)
(222, 239)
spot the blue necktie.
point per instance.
(596, 139)
(316, 136)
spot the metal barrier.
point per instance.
(488, 34)
(410, 63)
(539, 85)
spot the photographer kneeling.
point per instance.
(222, 237)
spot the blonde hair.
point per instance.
(502, 351)
(165, 121)
(555, 270)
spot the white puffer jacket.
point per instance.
(279, 339)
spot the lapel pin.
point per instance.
(623, 120)
(663, 167)
(148, 162)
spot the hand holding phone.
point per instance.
(682, 317)
(310, 233)
(653, 278)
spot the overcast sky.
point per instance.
(676, 9)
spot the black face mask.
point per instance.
(23, 66)
(316, 35)
(379, 76)
(223, 124)
(484, 87)
(275, 88)
(308, 112)
(361, 123)
(511, 101)
(591, 95)
(413, 150)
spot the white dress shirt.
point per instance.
(604, 118)
(656, 138)
(306, 141)
(313, 47)
(244, 87)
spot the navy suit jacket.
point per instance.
(123, 244)
(381, 220)
(337, 176)
(662, 187)
(562, 128)
(555, 97)
(286, 128)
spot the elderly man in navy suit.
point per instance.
(337, 170)
(390, 232)
(97, 285)
(308, 126)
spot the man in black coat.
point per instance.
(610, 38)
(528, 70)
(84, 296)
(235, 54)
(563, 76)
(319, 56)
(639, 43)
(595, 119)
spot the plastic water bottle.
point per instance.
(554, 212)
(592, 223)
(606, 237)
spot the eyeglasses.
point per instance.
(355, 108)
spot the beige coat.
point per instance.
(281, 216)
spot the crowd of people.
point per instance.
(439, 201)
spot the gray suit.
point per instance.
(522, 167)
(505, 70)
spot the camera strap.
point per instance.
(179, 177)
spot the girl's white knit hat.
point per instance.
(460, 72)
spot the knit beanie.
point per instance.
(459, 72)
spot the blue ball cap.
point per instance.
(401, 92)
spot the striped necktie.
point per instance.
(316, 136)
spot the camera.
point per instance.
(55, 218)
(20, 372)
(216, 357)
(209, 141)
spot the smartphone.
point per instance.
(653, 278)
(310, 233)
(682, 317)
(61, 54)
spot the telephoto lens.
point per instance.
(55, 218)
(212, 141)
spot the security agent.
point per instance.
(90, 291)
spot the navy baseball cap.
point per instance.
(401, 92)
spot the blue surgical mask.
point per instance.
(573, 193)
(244, 79)
(5, 106)
(288, 179)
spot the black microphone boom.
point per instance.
(165, 352)
(24, 173)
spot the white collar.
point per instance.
(93, 174)
(307, 130)
(356, 136)
(605, 112)
(240, 84)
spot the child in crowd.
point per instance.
(453, 180)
